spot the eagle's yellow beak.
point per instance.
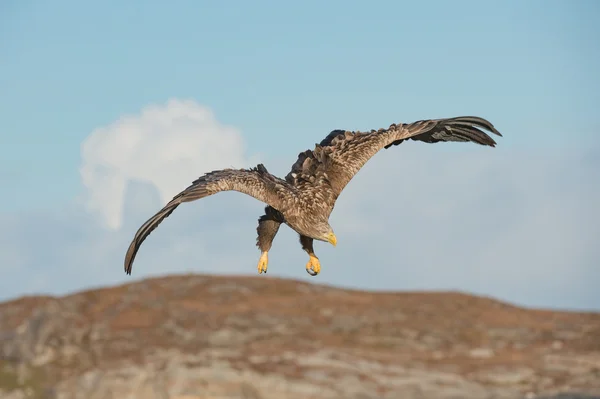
(332, 239)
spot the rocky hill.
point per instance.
(193, 336)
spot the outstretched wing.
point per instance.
(256, 182)
(343, 153)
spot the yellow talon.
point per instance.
(313, 267)
(262, 263)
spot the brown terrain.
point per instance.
(194, 336)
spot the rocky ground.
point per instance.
(189, 337)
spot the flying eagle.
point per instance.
(305, 198)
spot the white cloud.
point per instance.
(167, 145)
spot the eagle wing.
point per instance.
(342, 153)
(256, 182)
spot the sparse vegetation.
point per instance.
(31, 382)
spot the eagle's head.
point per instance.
(326, 234)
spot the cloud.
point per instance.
(518, 225)
(164, 145)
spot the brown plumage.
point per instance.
(306, 197)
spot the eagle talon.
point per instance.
(262, 263)
(313, 267)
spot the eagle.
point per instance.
(305, 198)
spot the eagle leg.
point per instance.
(263, 262)
(313, 267)
(268, 225)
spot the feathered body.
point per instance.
(306, 197)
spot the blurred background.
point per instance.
(446, 253)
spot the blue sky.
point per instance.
(285, 74)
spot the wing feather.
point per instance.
(462, 128)
(341, 154)
(256, 182)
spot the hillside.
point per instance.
(195, 336)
